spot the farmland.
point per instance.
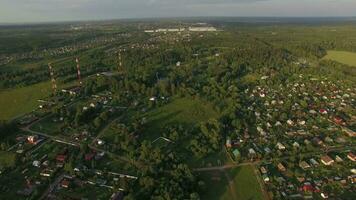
(344, 57)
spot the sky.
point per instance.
(19, 11)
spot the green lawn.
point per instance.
(7, 159)
(14, 102)
(184, 111)
(235, 184)
(345, 57)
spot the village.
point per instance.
(302, 141)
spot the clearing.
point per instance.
(344, 57)
(183, 111)
(17, 101)
(232, 184)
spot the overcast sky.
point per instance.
(63, 10)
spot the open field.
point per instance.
(344, 57)
(235, 184)
(17, 101)
(184, 111)
(7, 159)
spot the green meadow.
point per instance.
(344, 57)
(184, 111)
(17, 101)
(235, 184)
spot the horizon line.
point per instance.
(158, 18)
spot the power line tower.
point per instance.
(53, 80)
(120, 67)
(78, 72)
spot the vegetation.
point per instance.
(344, 57)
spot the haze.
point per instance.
(14, 11)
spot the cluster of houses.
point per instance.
(303, 117)
(189, 29)
(310, 176)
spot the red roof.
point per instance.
(308, 188)
(89, 156)
(61, 158)
(337, 120)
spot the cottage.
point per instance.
(280, 146)
(236, 153)
(351, 156)
(64, 183)
(281, 167)
(265, 178)
(349, 132)
(338, 159)
(228, 143)
(61, 158)
(36, 163)
(296, 145)
(314, 162)
(304, 165)
(326, 160)
(263, 170)
(33, 139)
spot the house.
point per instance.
(307, 187)
(65, 183)
(326, 160)
(338, 158)
(263, 170)
(89, 156)
(117, 196)
(265, 178)
(32, 139)
(36, 163)
(236, 153)
(338, 120)
(352, 178)
(61, 158)
(46, 172)
(72, 90)
(304, 165)
(351, 156)
(280, 146)
(228, 143)
(314, 162)
(323, 111)
(296, 145)
(281, 167)
(251, 152)
(349, 132)
(324, 195)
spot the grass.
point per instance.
(184, 111)
(234, 184)
(17, 101)
(7, 159)
(344, 57)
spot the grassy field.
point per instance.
(7, 159)
(17, 101)
(345, 57)
(235, 184)
(184, 111)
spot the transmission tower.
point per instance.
(78, 72)
(53, 80)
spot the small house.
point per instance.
(351, 156)
(281, 167)
(326, 160)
